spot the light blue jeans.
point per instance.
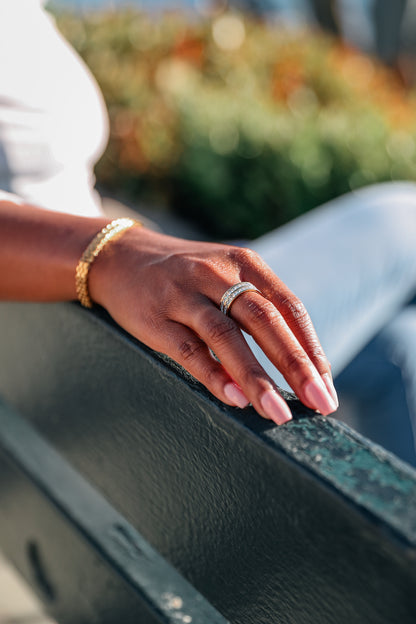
(353, 264)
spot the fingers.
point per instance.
(192, 353)
(223, 336)
(272, 333)
(298, 320)
(292, 310)
(175, 311)
(254, 269)
(267, 325)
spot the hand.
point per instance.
(166, 292)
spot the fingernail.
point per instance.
(318, 397)
(275, 407)
(330, 387)
(235, 395)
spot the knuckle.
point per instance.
(249, 254)
(292, 306)
(262, 313)
(317, 352)
(295, 362)
(244, 255)
(220, 330)
(319, 358)
(213, 378)
(188, 349)
(251, 375)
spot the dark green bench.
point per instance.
(129, 494)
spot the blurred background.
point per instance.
(241, 115)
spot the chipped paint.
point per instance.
(375, 479)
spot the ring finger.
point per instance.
(224, 337)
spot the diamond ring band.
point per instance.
(233, 292)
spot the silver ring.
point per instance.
(232, 293)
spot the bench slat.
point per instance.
(302, 523)
(65, 536)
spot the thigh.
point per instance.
(352, 262)
(377, 389)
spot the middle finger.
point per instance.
(225, 339)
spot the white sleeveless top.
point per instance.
(53, 121)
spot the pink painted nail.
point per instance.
(330, 387)
(275, 407)
(317, 397)
(235, 395)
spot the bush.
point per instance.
(241, 125)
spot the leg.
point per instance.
(377, 390)
(352, 262)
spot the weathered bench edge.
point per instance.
(376, 480)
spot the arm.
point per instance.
(165, 291)
(39, 251)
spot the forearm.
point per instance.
(39, 251)
(166, 292)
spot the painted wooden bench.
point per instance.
(129, 494)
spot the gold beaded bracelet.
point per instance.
(108, 233)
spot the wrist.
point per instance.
(108, 270)
(107, 235)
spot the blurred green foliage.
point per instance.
(238, 124)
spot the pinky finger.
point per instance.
(192, 353)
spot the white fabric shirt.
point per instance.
(53, 121)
